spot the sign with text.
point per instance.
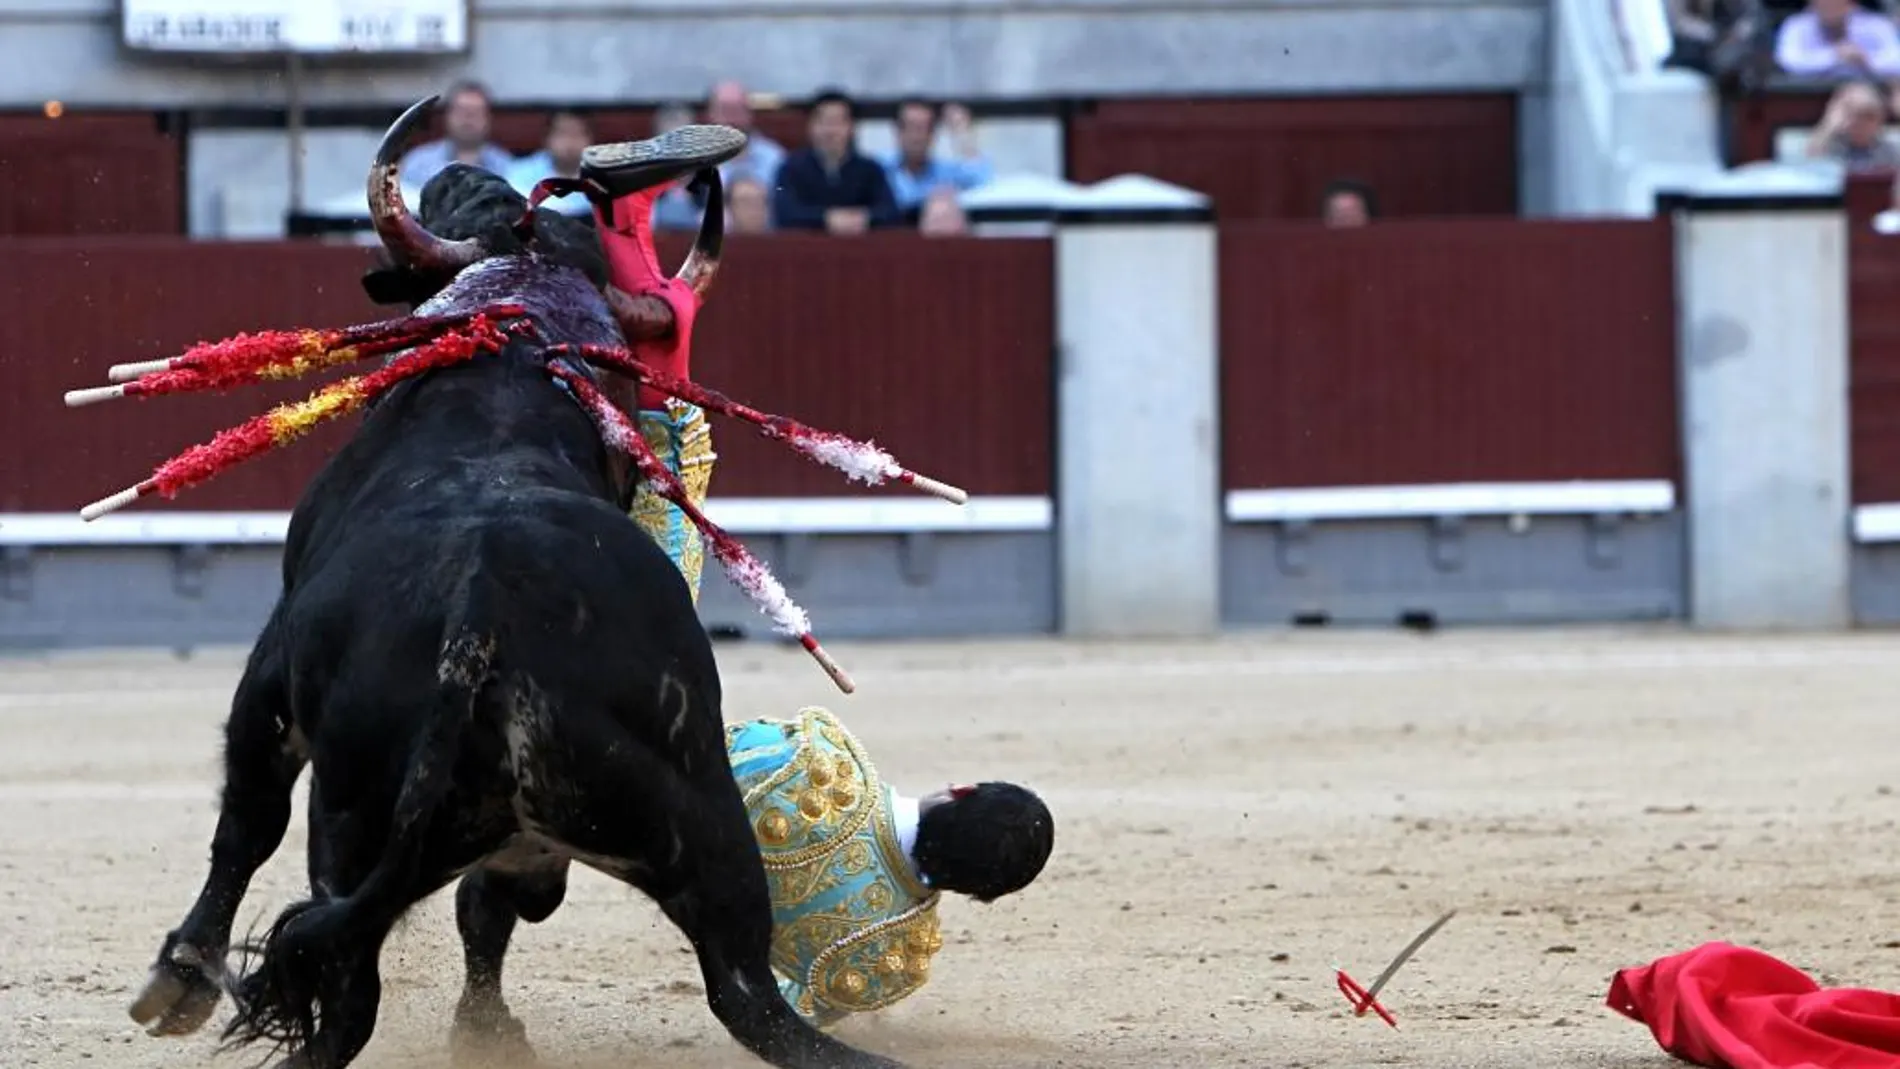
(317, 27)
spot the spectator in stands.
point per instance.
(728, 105)
(828, 184)
(1347, 204)
(941, 214)
(748, 206)
(1716, 37)
(676, 209)
(913, 171)
(1853, 132)
(1836, 39)
(560, 157)
(465, 114)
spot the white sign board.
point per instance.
(322, 27)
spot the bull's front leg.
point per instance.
(262, 760)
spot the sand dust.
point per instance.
(1232, 818)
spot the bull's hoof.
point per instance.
(627, 167)
(178, 997)
(487, 1035)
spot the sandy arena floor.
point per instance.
(1231, 819)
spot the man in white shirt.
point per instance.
(728, 105)
(1838, 39)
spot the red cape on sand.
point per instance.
(1730, 1007)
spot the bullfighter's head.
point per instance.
(986, 840)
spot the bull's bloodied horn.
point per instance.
(647, 318)
(702, 264)
(407, 240)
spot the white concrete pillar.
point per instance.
(1761, 280)
(1138, 495)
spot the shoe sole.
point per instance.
(625, 167)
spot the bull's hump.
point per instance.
(514, 279)
(560, 299)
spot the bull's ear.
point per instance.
(394, 285)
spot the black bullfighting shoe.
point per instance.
(623, 168)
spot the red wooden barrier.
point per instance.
(97, 302)
(1755, 120)
(1436, 352)
(89, 174)
(938, 348)
(1408, 352)
(1874, 333)
(1270, 158)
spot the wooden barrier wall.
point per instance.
(1441, 352)
(1449, 155)
(100, 302)
(938, 348)
(1874, 340)
(1409, 352)
(1753, 119)
(95, 174)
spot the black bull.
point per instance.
(491, 671)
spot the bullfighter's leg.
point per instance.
(631, 176)
(680, 437)
(634, 175)
(487, 905)
(261, 765)
(621, 168)
(684, 839)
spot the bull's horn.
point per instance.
(702, 264)
(407, 240)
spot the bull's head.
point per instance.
(414, 249)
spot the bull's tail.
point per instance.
(319, 947)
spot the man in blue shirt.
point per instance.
(913, 172)
(560, 157)
(465, 116)
(829, 185)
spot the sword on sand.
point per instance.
(1367, 998)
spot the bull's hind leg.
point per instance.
(316, 989)
(685, 841)
(261, 765)
(487, 905)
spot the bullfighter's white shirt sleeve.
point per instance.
(904, 814)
